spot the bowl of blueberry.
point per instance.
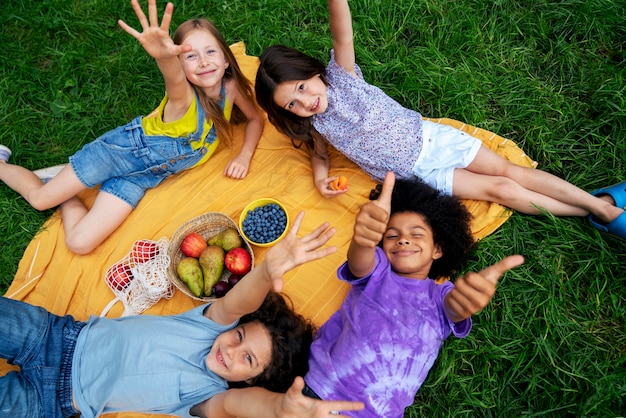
(264, 222)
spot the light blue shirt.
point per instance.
(146, 363)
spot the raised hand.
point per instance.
(371, 221)
(155, 37)
(473, 291)
(297, 405)
(292, 250)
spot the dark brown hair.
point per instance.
(278, 65)
(291, 336)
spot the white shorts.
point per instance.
(444, 149)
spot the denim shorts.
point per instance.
(42, 345)
(126, 162)
(444, 149)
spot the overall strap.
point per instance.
(212, 135)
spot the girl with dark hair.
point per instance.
(381, 343)
(313, 104)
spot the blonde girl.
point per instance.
(204, 86)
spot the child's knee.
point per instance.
(78, 244)
(38, 200)
(504, 190)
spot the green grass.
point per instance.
(550, 75)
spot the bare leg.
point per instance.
(41, 196)
(86, 229)
(491, 177)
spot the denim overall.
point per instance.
(126, 162)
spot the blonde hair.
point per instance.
(211, 106)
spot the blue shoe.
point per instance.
(5, 153)
(616, 227)
(616, 191)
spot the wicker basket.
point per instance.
(208, 225)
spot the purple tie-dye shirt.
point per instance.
(381, 343)
(367, 126)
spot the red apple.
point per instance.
(119, 276)
(193, 244)
(238, 261)
(143, 250)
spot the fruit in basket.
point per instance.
(190, 273)
(212, 265)
(120, 276)
(233, 279)
(238, 261)
(227, 239)
(143, 250)
(340, 183)
(193, 244)
(220, 289)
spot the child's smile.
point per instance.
(409, 245)
(205, 64)
(241, 353)
(303, 98)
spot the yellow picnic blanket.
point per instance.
(64, 283)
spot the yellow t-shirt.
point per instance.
(153, 125)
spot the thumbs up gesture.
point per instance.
(473, 291)
(371, 221)
(369, 227)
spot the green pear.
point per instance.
(227, 239)
(212, 264)
(190, 272)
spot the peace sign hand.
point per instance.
(295, 404)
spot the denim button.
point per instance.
(204, 151)
(172, 161)
(155, 170)
(164, 166)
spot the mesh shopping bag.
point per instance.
(139, 280)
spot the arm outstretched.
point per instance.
(341, 30)
(369, 227)
(289, 253)
(473, 291)
(156, 40)
(257, 402)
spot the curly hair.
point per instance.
(448, 218)
(291, 336)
